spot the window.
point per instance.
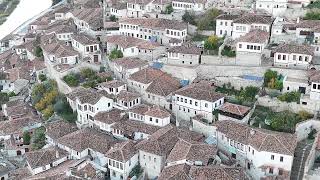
(240, 46)
(196, 103)
(279, 56)
(206, 105)
(284, 57)
(121, 166)
(272, 157)
(280, 172)
(150, 119)
(271, 170)
(252, 151)
(314, 86)
(306, 59)
(113, 173)
(190, 101)
(294, 57)
(281, 158)
(157, 120)
(155, 159)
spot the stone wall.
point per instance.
(305, 127)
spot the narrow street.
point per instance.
(300, 155)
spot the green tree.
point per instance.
(72, 79)
(227, 51)
(42, 77)
(38, 51)
(38, 138)
(293, 96)
(113, 18)
(208, 20)
(313, 15)
(189, 17)
(48, 112)
(212, 43)
(26, 138)
(102, 69)
(115, 54)
(169, 9)
(87, 73)
(4, 98)
(284, 121)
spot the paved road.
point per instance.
(300, 156)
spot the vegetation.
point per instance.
(115, 54)
(189, 17)
(284, 121)
(315, 4)
(38, 138)
(113, 18)
(312, 134)
(72, 79)
(42, 77)
(293, 96)
(6, 8)
(86, 77)
(304, 115)
(102, 69)
(169, 9)
(272, 80)
(199, 37)
(227, 51)
(39, 52)
(208, 20)
(312, 15)
(63, 109)
(4, 98)
(26, 138)
(136, 171)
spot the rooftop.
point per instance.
(155, 23)
(295, 48)
(122, 152)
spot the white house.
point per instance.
(138, 8)
(119, 10)
(57, 129)
(77, 92)
(113, 87)
(58, 53)
(156, 87)
(248, 22)
(153, 29)
(250, 47)
(104, 120)
(134, 47)
(224, 24)
(314, 80)
(89, 105)
(293, 55)
(122, 158)
(126, 100)
(187, 55)
(87, 46)
(263, 153)
(154, 115)
(196, 99)
(87, 142)
(189, 5)
(44, 159)
(273, 7)
(154, 151)
(124, 67)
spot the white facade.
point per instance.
(88, 111)
(151, 163)
(120, 170)
(288, 59)
(186, 107)
(242, 29)
(119, 13)
(274, 7)
(224, 27)
(315, 91)
(188, 6)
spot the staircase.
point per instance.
(300, 156)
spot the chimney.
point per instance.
(252, 132)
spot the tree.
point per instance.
(38, 138)
(189, 18)
(115, 54)
(26, 138)
(313, 15)
(212, 43)
(227, 51)
(284, 122)
(42, 77)
(48, 112)
(72, 79)
(113, 18)
(4, 98)
(169, 9)
(87, 73)
(38, 52)
(208, 20)
(248, 94)
(102, 69)
(304, 115)
(293, 96)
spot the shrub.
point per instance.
(115, 54)
(48, 112)
(312, 133)
(26, 138)
(38, 138)
(72, 79)
(11, 94)
(208, 20)
(102, 69)
(290, 97)
(42, 77)
(304, 115)
(169, 9)
(113, 18)
(272, 80)
(313, 15)
(189, 17)
(87, 73)
(212, 43)
(227, 51)
(38, 51)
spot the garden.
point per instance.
(87, 78)
(284, 121)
